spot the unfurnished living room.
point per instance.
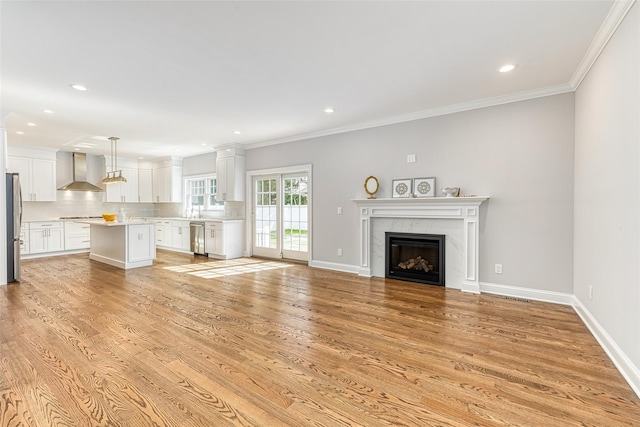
(320, 213)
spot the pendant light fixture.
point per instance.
(111, 177)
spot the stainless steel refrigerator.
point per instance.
(14, 222)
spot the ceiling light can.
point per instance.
(79, 87)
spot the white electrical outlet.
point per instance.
(498, 269)
(339, 252)
(339, 210)
(590, 292)
(411, 158)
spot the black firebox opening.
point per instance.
(415, 257)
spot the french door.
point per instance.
(281, 216)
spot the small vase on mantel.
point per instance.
(451, 191)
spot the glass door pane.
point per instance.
(295, 216)
(265, 226)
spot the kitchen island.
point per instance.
(128, 244)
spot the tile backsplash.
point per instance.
(86, 203)
(81, 203)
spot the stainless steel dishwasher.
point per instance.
(196, 234)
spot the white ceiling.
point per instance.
(179, 77)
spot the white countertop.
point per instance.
(137, 219)
(221, 219)
(104, 223)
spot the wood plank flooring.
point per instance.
(85, 344)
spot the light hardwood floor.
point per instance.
(85, 344)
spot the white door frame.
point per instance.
(249, 202)
(268, 251)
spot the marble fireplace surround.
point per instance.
(456, 217)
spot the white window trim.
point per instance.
(185, 201)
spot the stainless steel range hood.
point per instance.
(79, 182)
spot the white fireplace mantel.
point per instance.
(465, 209)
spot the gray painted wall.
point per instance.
(519, 154)
(607, 188)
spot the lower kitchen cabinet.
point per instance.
(124, 245)
(46, 236)
(76, 236)
(214, 238)
(163, 233)
(140, 245)
(24, 239)
(224, 239)
(180, 237)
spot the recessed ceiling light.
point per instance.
(19, 132)
(506, 68)
(46, 110)
(31, 124)
(329, 110)
(236, 132)
(203, 144)
(79, 87)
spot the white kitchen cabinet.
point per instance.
(224, 239)
(180, 237)
(167, 182)
(24, 239)
(126, 192)
(145, 186)
(37, 178)
(140, 243)
(46, 236)
(230, 174)
(214, 238)
(163, 233)
(123, 244)
(76, 236)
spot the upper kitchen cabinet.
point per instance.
(145, 185)
(120, 192)
(230, 173)
(37, 169)
(167, 180)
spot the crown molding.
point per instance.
(611, 23)
(424, 114)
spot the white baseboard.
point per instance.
(629, 371)
(471, 287)
(346, 268)
(50, 254)
(526, 293)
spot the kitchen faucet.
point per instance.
(193, 215)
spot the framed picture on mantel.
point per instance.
(424, 187)
(401, 187)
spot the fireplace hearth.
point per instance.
(415, 257)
